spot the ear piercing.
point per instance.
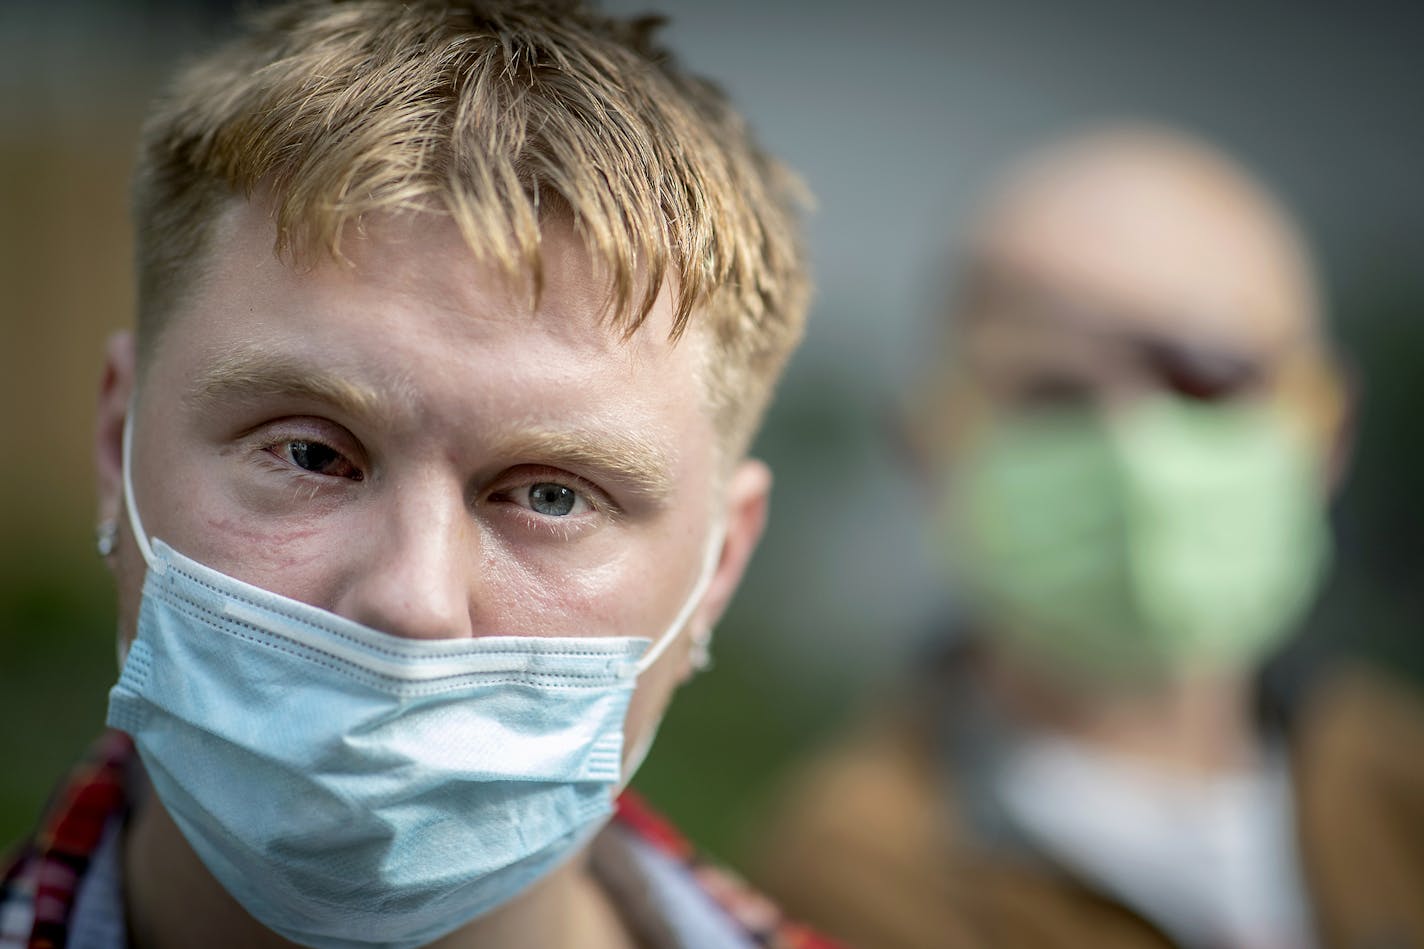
(700, 656)
(106, 537)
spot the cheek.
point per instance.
(299, 556)
(601, 593)
(628, 581)
(270, 554)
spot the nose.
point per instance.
(415, 573)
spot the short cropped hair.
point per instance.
(499, 115)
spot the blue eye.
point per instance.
(554, 500)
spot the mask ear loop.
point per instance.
(636, 758)
(121, 648)
(700, 658)
(135, 522)
(694, 600)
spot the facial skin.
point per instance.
(395, 441)
(1122, 265)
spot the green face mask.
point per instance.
(1174, 535)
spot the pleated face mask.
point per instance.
(1176, 535)
(352, 788)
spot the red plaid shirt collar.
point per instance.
(41, 880)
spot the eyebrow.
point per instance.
(636, 460)
(246, 375)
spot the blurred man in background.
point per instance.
(423, 482)
(1131, 441)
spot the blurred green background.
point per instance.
(897, 118)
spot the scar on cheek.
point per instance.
(276, 548)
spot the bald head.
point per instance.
(1159, 228)
(1128, 262)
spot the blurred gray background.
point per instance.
(897, 114)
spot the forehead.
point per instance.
(390, 262)
(1154, 245)
(415, 255)
(411, 323)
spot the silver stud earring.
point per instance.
(106, 537)
(700, 656)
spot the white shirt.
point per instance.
(1210, 861)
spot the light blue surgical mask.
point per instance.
(351, 788)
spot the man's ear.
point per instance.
(1341, 448)
(748, 497)
(115, 394)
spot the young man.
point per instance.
(1134, 434)
(423, 482)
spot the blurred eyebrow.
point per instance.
(250, 374)
(636, 461)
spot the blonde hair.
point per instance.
(498, 115)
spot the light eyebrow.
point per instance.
(637, 461)
(249, 374)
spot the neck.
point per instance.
(1190, 723)
(172, 901)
